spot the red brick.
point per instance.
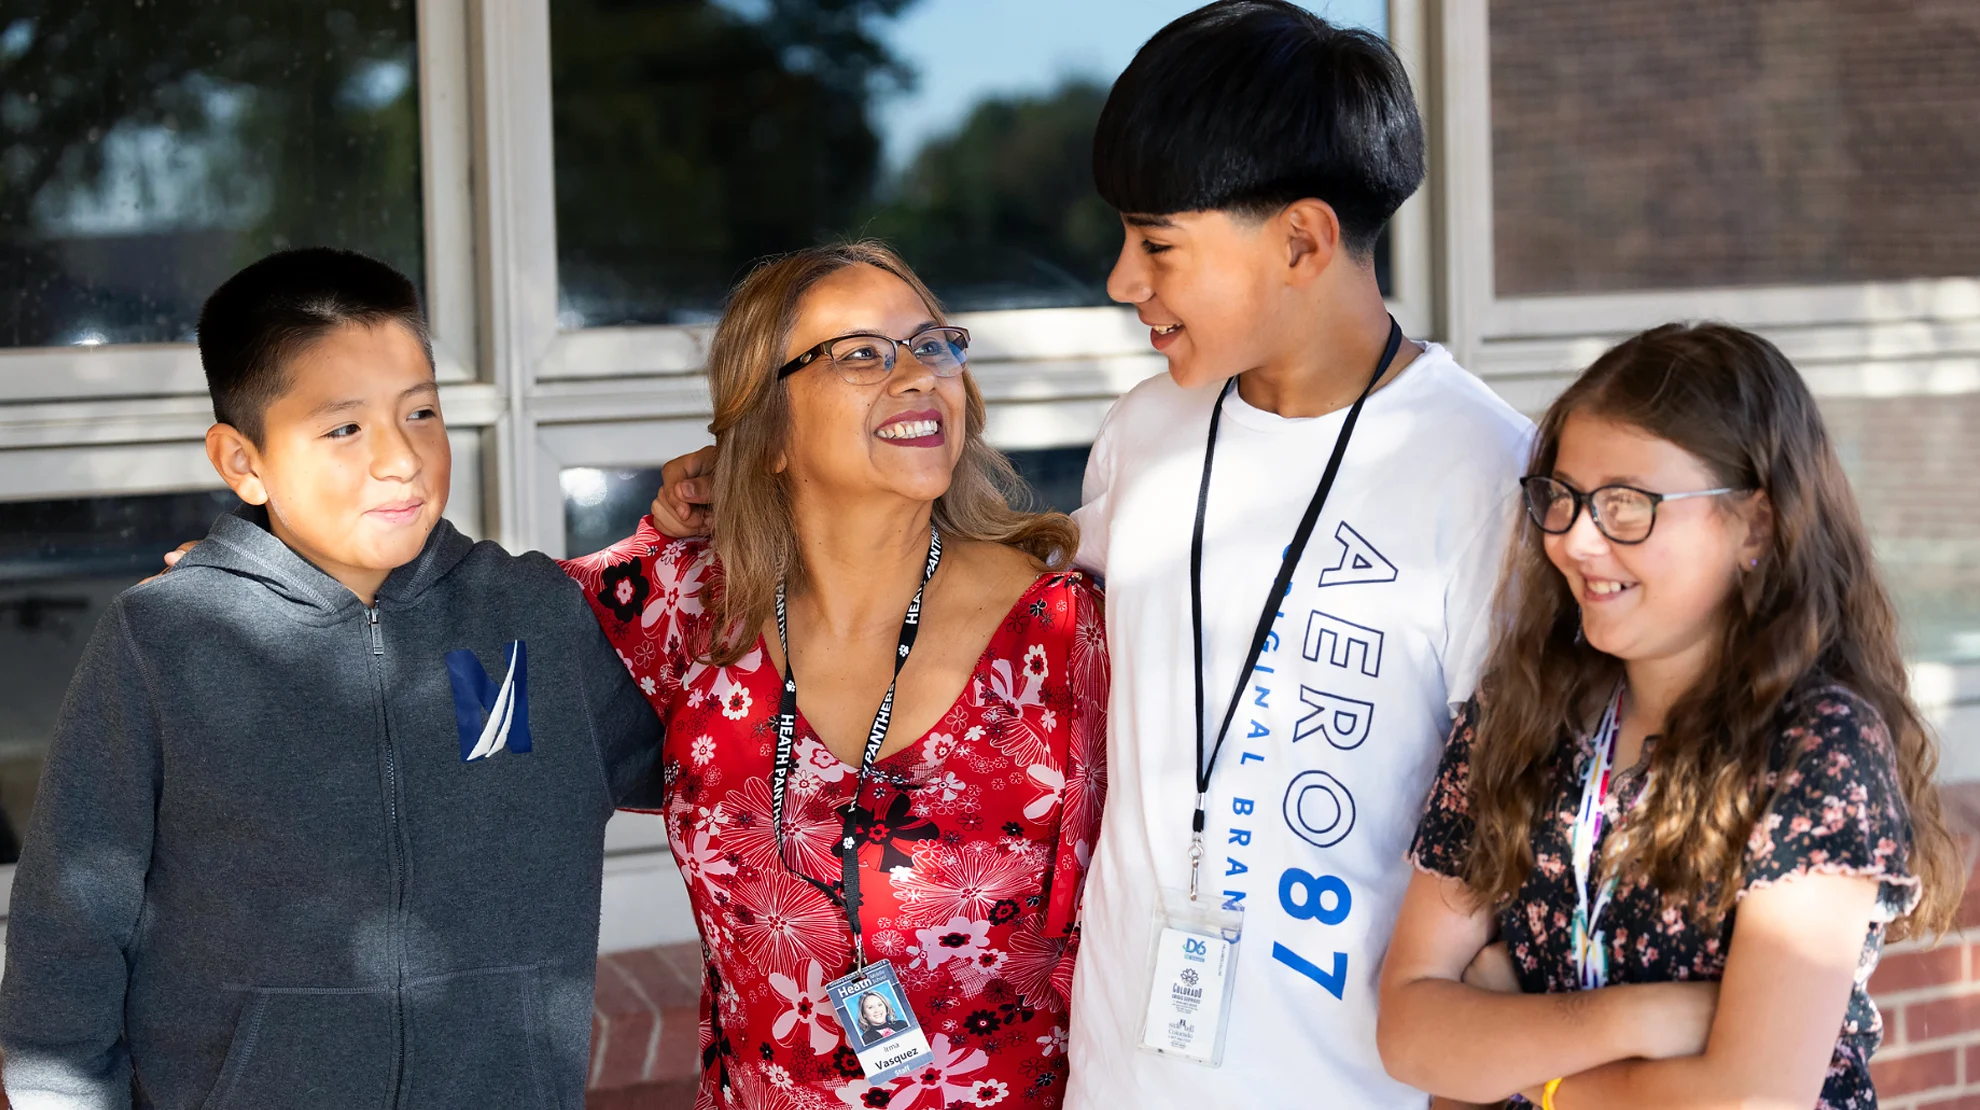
(661, 974)
(1905, 1075)
(624, 1055)
(1907, 971)
(1973, 1061)
(616, 994)
(646, 1024)
(676, 1095)
(679, 1050)
(1941, 1017)
(1969, 906)
(1964, 1102)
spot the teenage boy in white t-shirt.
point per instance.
(1255, 152)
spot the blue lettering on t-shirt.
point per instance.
(1343, 720)
(1359, 561)
(1343, 641)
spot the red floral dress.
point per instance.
(977, 838)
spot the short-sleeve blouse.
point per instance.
(976, 839)
(1835, 807)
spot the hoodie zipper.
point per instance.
(398, 865)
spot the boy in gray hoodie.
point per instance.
(322, 821)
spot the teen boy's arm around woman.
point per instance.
(1693, 761)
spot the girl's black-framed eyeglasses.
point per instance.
(1624, 514)
(867, 358)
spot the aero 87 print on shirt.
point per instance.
(1313, 801)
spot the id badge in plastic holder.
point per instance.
(1192, 969)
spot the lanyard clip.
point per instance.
(1196, 848)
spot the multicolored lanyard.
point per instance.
(1591, 950)
(847, 895)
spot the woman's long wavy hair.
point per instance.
(1813, 611)
(755, 539)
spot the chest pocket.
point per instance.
(491, 716)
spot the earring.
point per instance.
(1753, 563)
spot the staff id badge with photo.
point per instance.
(1192, 970)
(881, 1028)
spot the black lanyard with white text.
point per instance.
(787, 740)
(1272, 600)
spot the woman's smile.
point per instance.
(920, 428)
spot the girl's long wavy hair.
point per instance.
(755, 539)
(1814, 611)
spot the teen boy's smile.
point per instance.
(353, 461)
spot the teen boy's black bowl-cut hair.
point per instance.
(1248, 105)
(268, 313)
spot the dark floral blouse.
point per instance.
(1836, 808)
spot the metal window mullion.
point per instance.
(517, 263)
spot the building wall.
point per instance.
(1702, 143)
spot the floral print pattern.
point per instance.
(1836, 807)
(974, 843)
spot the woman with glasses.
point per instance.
(885, 703)
(1692, 797)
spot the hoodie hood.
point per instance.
(240, 543)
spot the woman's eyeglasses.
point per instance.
(867, 358)
(1624, 514)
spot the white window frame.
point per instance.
(525, 399)
(1047, 375)
(106, 401)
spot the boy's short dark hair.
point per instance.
(269, 312)
(1250, 105)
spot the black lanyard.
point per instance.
(1279, 586)
(786, 742)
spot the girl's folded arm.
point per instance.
(1787, 983)
(1442, 1036)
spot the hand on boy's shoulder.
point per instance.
(172, 558)
(685, 505)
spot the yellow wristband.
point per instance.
(1547, 1093)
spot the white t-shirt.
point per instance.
(1327, 762)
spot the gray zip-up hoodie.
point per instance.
(263, 870)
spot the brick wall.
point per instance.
(645, 1029)
(1690, 143)
(1930, 998)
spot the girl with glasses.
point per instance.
(1693, 797)
(885, 701)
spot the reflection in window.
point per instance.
(602, 507)
(696, 136)
(149, 150)
(61, 564)
(1054, 475)
(1697, 143)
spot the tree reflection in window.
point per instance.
(694, 137)
(148, 150)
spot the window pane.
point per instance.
(1694, 142)
(1054, 474)
(602, 507)
(149, 150)
(1912, 461)
(696, 136)
(61, 564)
